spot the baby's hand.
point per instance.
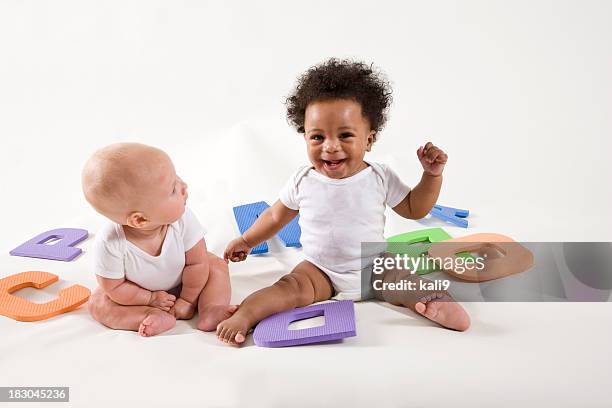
(432, 159)
(237, 250)
(162, 300)
(182, 309)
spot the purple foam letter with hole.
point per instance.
(339, 323)
(57, 244)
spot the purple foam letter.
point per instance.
(339, 323)
(62, 250)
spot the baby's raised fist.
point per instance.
(432, 159)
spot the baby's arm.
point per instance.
(195, 276)
(124, 292)
(421, 199)
(267, 225)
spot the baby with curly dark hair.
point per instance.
(340, 106)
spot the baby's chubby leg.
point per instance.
(436, 305)
(306, 284)
(213, 303)
(147, 320)
(205, 284)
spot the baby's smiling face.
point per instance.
(337, 137)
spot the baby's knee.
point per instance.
(96, 304)
(216, 264)
(100, 307)
(297, 288)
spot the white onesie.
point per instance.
(337, 215)
(115, 257)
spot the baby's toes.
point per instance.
(239, 338)
(229, 336)
(432, 310)
(221, 332)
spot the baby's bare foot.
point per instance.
(212, 315)
(234, 329)
(443, 310)
(156, 322)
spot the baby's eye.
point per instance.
(316, 137)
(346, 135)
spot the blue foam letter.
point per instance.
(450, 214)
(247, 214)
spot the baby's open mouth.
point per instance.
(333, 164)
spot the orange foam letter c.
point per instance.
(23, 310)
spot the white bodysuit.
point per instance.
(337, 215)
(115, 257)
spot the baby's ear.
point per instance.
(137, 220)
(371, 140)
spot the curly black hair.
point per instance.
(341, 79)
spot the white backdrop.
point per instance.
(519, 94)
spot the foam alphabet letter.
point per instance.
(247, 214)
(450, 214)
(514, 258)
(339, 323)
(23, 310)
(416, 244)
(63, 250)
